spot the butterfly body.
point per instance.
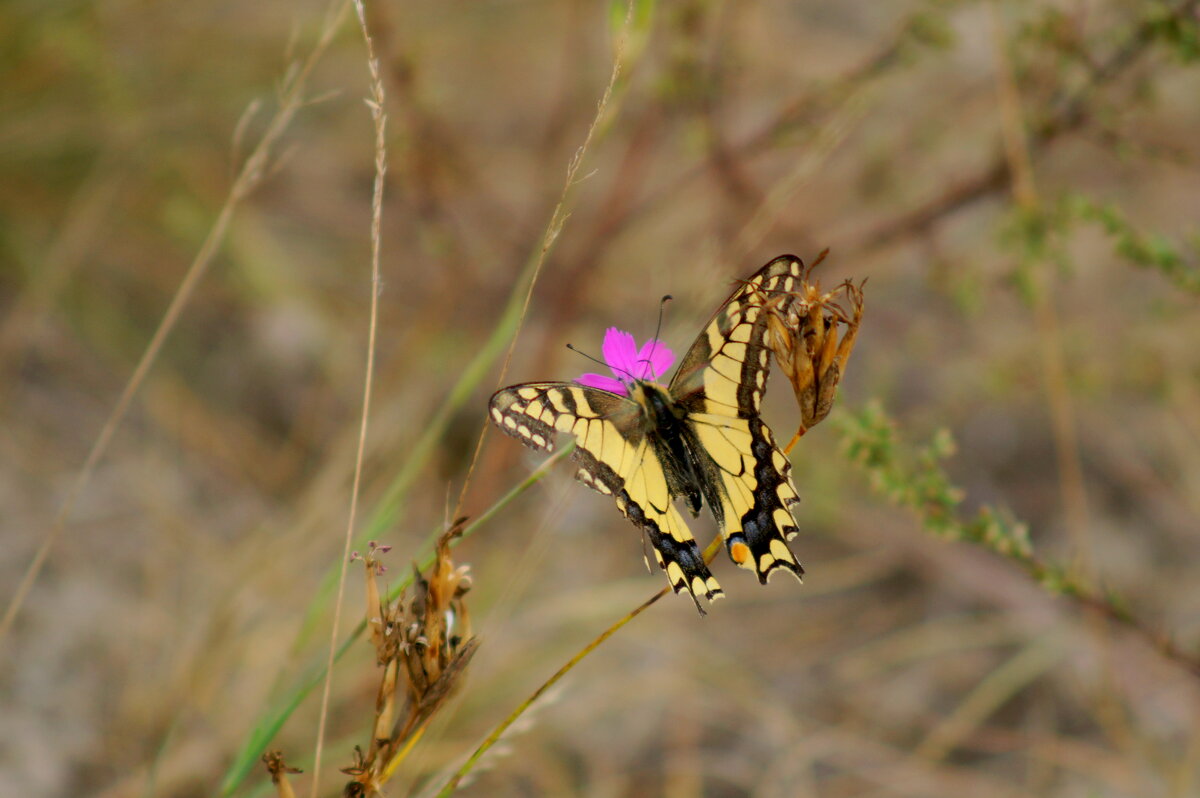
(688, 469)
(699, 438)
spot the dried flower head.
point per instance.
(423, 643)
(628, 363)
(279, 770)
(804, 331)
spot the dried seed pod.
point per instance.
(279, 771)
(422, 640)
(812, 336)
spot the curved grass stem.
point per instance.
(452, 784)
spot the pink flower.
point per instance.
(628, 363)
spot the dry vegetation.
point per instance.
(1018, 181)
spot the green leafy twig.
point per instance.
(1179, 32)
(869, 440)
(1041, 234)
(1150, 251)
(915, 479)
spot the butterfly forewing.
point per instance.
(615, 457)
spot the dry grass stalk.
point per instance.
(423, 644)
(253, 171)
(379, 119)
(803, 333)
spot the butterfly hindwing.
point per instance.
(721, 382)
(616, 458)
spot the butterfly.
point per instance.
(700, 438)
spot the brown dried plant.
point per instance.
(423, 644)
(804, 335)
(279, 771)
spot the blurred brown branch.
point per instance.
(1067, 113)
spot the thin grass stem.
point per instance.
(379, 121)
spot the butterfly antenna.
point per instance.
(601, 362)
(657, 329)
(808, 270)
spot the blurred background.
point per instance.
(1019, 182)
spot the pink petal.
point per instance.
(620, 353)
(603, 383)
(654, 359)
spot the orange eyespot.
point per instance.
(739, 552)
